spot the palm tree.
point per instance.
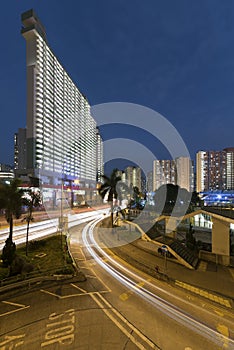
(33, 200)
(11, 201)
(108, 189)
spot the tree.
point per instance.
(8, 252)
(167, 195)
(196, 200)
(31, 200)
(108, 190)
(11, 201)
(136, 197)
(165, 198)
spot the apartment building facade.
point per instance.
(164, 172)
(184, 173)
(62, 139)
(215, 170)
(177, 172)
(133, 176)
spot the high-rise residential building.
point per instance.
(61, 137)
(184, 173)
(215, 170)
(164, 172)
(229, 152)
(99, 156)
(20, 156)
(177, 172)
(122, 175)
(133, 176)
(201, 171)
(149, 181)
(143, 183)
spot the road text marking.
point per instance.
(60, 328)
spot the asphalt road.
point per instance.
(111, 310)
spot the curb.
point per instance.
(76, 267)
(190, 287)
(205, 293)
(55, 277)
(35, 280)
(218, 298)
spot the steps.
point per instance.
(184, 253)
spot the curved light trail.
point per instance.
(129, 279)
(45, 228)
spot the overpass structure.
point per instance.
(221, 220)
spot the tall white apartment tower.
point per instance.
(61, 133)
(177, 172)
(164, 172)
(201, 170)
(184, 173)
(229, 168)
(213, 168)
(133, 176)
(99, 156)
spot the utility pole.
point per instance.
(61, 215)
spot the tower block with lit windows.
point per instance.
(61, 137)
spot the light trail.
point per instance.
(168, 308)
(46, 228)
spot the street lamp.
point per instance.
(165, 252)
(61, 223)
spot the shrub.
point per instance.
(8, 252)
(35, 245)
(66, 270)
(17, 265)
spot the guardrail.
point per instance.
(32, 278)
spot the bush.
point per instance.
(20, 266)
(68, 260)
(35, 245)
(66, 270)
(17, 265)
(8, 252)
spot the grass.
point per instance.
(47, 254)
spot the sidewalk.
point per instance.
(217, 286)
(207, 277)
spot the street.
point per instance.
(117, 307)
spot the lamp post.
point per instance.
(61, 214)
(165, 251)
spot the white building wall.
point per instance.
(184, 173)
(61, 133)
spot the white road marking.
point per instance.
(103, 303)
(21, 307)
(81, 289)
(50, 293)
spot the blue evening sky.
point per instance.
(173, 56)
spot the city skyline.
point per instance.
(176, 59)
